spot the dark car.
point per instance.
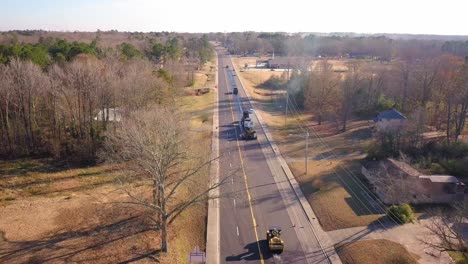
(235, 91)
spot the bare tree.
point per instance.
(154, 145)
(352, 81)
(461, 108)
(425, 75)
(450, 89)
(445, 230)
(322, 91)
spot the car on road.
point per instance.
(235, 91)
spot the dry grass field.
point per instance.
(56, 214)
(380, 251)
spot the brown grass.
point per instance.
(379, 251)
(337, 205)
(82, 228)
(31, 177)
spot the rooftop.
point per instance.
(440, 178)
(390, 114)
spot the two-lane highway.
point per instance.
(258, 194)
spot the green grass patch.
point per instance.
(459, 257)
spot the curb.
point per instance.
(325, 242)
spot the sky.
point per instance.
(448, 17)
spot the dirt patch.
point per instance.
(380, 251)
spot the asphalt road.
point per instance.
(256, 194)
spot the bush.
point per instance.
(274, 83)
(456, 167)
(403, 213)
(376, 151)
(436, 168)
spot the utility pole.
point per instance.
(286, 107)
(287, 98)
(306, 151)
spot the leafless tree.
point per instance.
(352, 81)
(446, 230)
(27, 80)
(154, 144)
(321, 93)
(425, 75)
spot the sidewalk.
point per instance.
(212, 229)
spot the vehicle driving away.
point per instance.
(248, 127)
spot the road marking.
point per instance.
(237, 227)
(262, 261)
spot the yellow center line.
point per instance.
(246, 186)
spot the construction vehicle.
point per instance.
(273, 237)
(247, 125)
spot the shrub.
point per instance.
(376, 151)
(274, 83)
(456, 167)
(436, 168)
(204, 117)
(404, 213)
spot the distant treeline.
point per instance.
(374, 46)
(48, 51)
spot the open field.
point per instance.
(339, 200)
(379, 251)
(51, 212)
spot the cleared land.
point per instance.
(51, 212)
(380, 251)
(332, 183)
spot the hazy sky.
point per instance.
(366, 16)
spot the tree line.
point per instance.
(51, 92)
(383, 47)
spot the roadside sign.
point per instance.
(197, 256)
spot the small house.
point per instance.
(389, 121)
(397, 182)
(109, 114)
